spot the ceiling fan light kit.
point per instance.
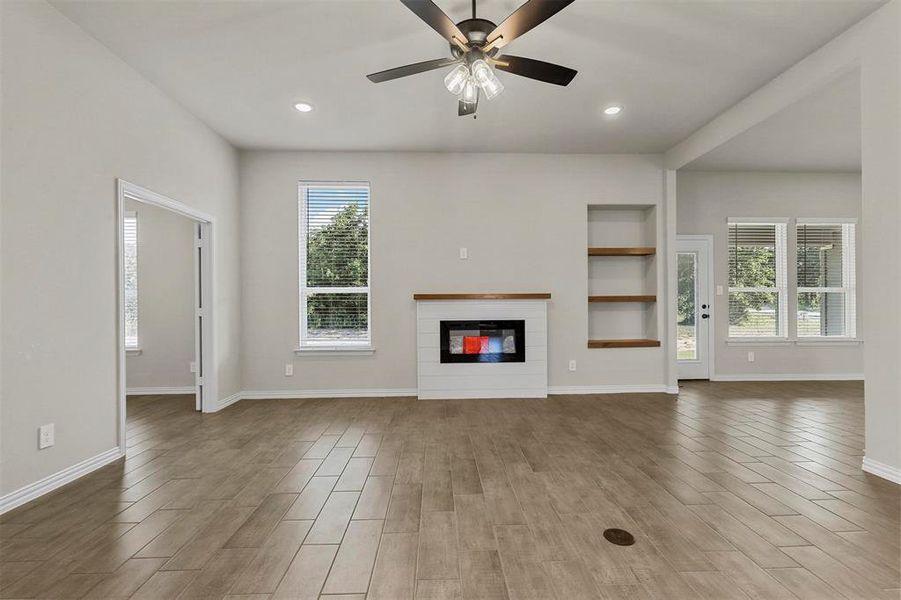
(474, 46)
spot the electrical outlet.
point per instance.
(289, 369)
(46, 437)
(464, 253)
(192, 366)
(719, 290)
(750, 357)
(572, 365)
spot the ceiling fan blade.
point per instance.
(535, 69)
(435, 18)
(465, 109)
(407, 70)
(529, 15)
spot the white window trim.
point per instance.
(826, 221)
(331, 348)
(335, 350)
(759, 220)
(828, 341)
(781, 226)
(758, 341)
(806, 341)
(849, 280)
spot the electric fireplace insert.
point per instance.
(483, 341)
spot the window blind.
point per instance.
(334, 263)
(757, 279)
(130, 255)
(826, 280)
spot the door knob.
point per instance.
(703, 306)
(705, 316)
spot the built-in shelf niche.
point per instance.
(622, 276)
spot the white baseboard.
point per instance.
(609, 389)
(404, 392)
(58, 479)
(552, 390)
(159, 391)
(227, 401)
(334, 393)
(789, 377)
(479, 394)
(880, 469)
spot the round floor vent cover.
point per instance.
(620, 537)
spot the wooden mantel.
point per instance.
(494, 296)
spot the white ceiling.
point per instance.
(240, 66)
(818, 133)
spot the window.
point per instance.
(334, 265)
(757, 279)
(826, 279)
(686, 304)
(130, 238)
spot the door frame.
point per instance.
(203, 284)
(707, 239)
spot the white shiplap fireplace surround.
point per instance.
(437, 380)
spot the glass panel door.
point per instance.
(694, 311)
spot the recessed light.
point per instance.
(303, 107)
(613, 110)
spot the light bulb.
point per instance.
(481, 71)
(470, 91)
(486, 79)
(456, 79)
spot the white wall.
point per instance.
(165, 300)
(707, 199)
(74, 118)
(873, 46)
(522, 217)
(881, 162)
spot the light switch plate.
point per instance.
(289, 369)
(46, 436)
(464, 253)
(750, 357)
(192, 366)
(719, 290)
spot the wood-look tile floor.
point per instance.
(731, 491)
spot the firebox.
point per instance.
(483, 341)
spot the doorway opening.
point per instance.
(193, 267)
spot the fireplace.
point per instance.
(483, 341)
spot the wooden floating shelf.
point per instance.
(623, 343)
(636, 251)
(527, 296)
(622, 298)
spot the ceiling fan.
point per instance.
(474, 46)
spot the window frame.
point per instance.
(849, 279)
(305, 345)
(135, 347)
(780, 225)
